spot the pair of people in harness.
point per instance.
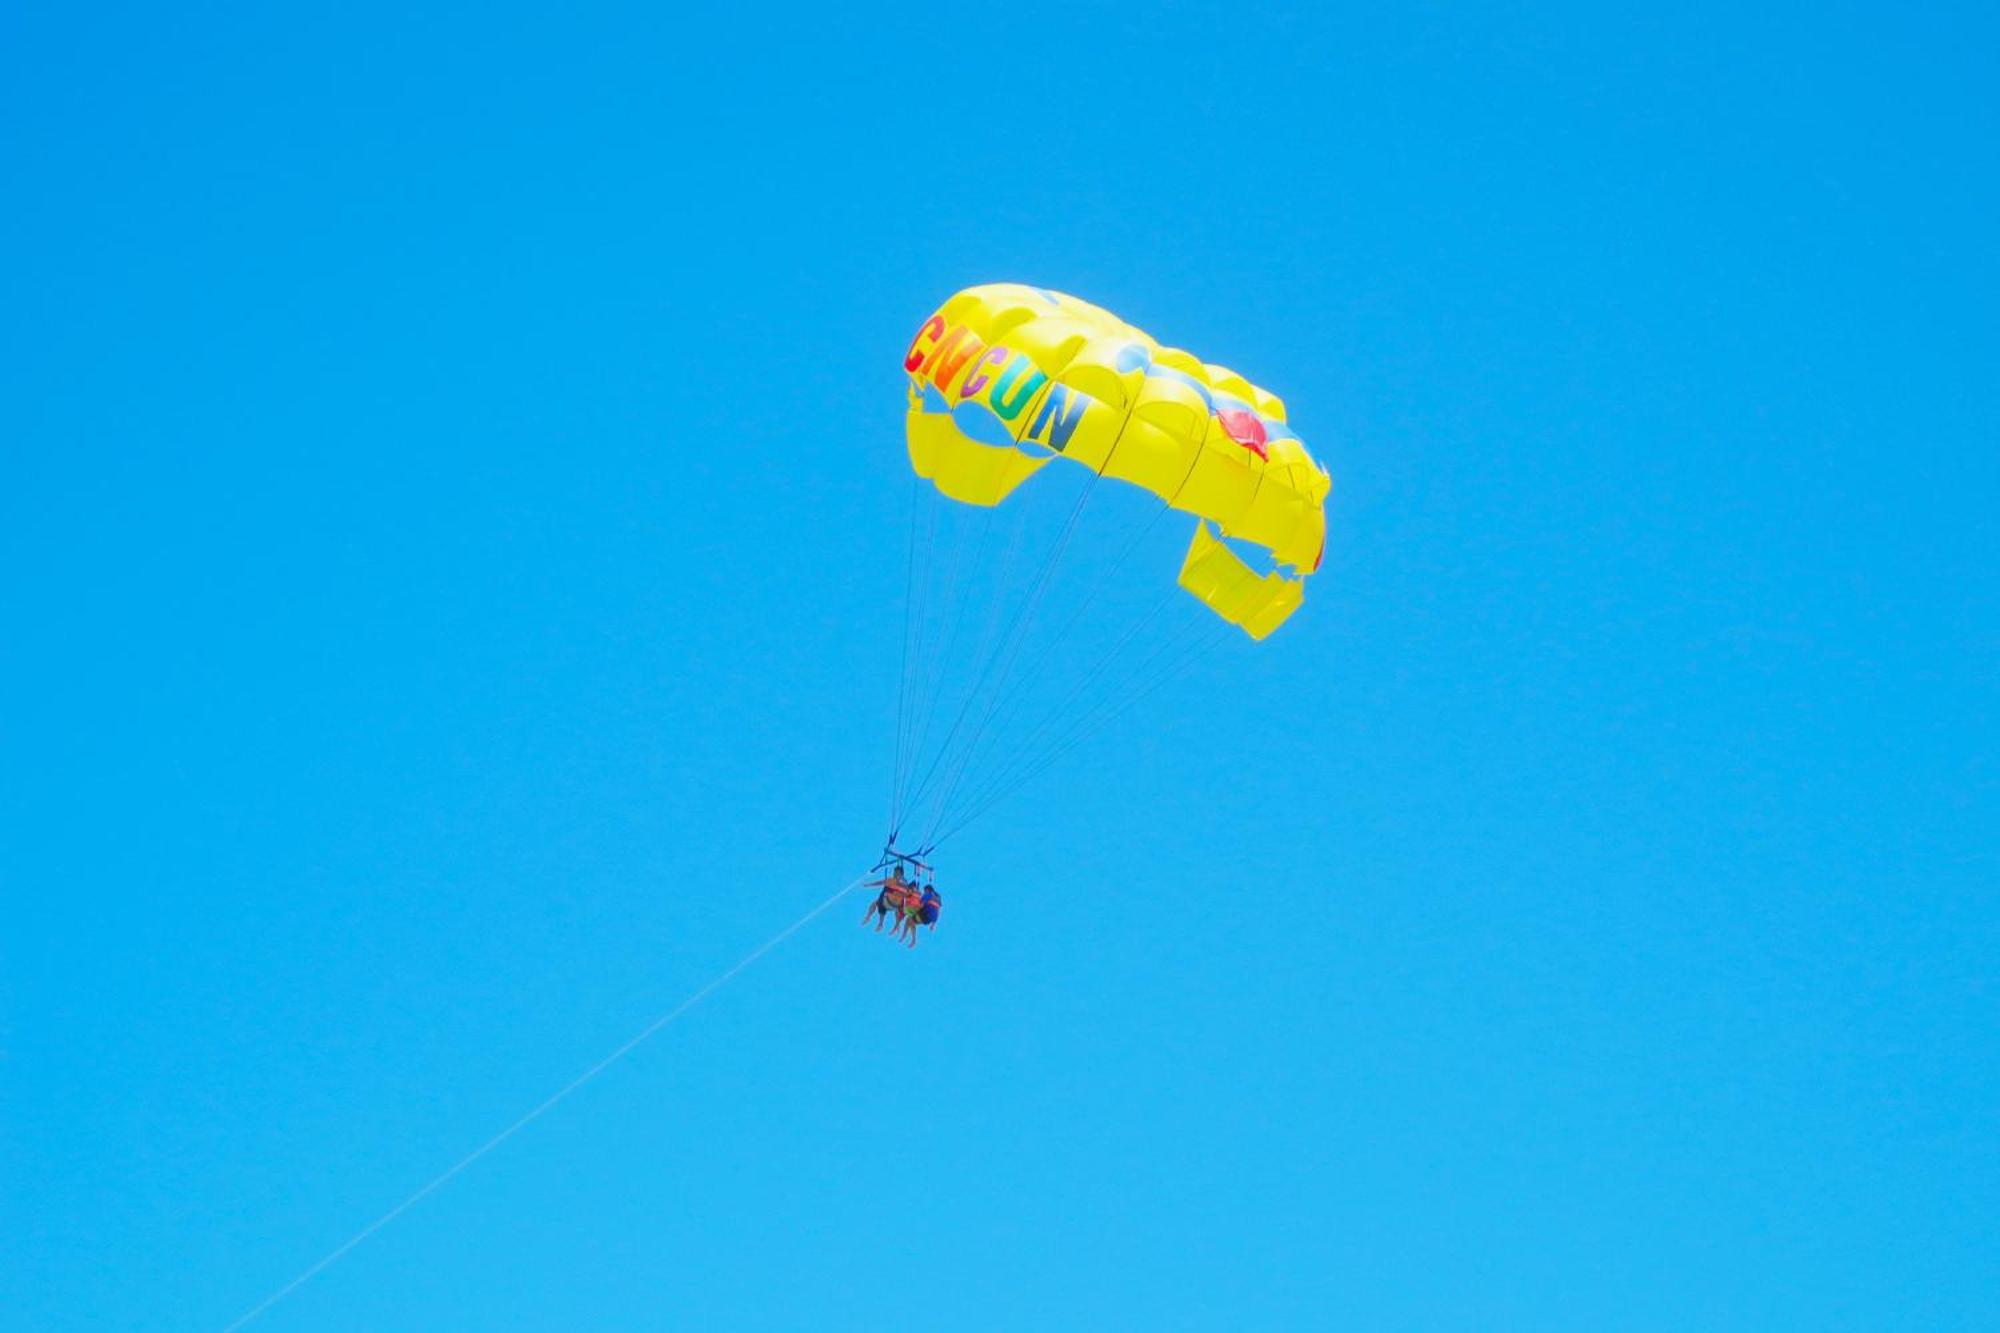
(906, 902)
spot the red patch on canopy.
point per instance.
(1245, 429)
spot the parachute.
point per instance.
(1005, 380)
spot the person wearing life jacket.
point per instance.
(897, 893)
(920, 907)
(906, 916)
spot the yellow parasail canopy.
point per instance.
(1065, 378)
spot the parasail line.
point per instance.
(1007, 636)
(333, 1256)
(1192, 649)
(915, 600)
(903, 670)
(1011, 647)
(933, 680)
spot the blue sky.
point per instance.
(453, 517)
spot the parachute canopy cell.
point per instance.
(1057, 377)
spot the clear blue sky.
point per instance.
(452, 521)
